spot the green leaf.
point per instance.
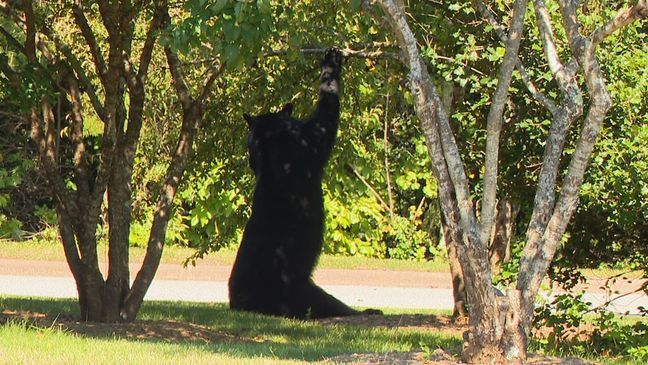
(218, 7)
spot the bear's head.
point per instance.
(276, 145)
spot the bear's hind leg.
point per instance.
(311, 301)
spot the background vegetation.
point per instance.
(380, 198)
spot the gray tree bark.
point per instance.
(499, 327)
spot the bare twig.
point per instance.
(390, 194)
(642, 288)
(366, 183)
(347, 52)
(212, 74)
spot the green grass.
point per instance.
(251, 338)
(47, 249)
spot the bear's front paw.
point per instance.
(333, 57)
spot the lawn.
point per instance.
(42, 330)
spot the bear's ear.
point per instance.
(251, 121)
(287, 109)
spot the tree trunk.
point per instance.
(119, 220)
(192, 111)
(500, 248)
(459, 311)
(155, 246)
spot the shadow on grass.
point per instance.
(215, 328)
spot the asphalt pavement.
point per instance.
(216, 291)
(410, 297)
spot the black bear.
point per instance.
(283, 238)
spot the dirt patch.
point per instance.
(430, 322)
(183, 331)
(438, 357)
(167, 331)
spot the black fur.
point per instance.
(283, 238)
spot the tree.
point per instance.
(499, 327)
(103, 79)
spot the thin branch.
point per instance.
(537, 94)
(623, 18)
(642, 288)
(91, 40)
(89, 88)
(13, 41)
(74, 63)
(43, 138)
(366, 183)
(149, 43)
(213, 73)
(494, 121)
(546, 33)
(80, 158)
(526, 79)
(347, 52)
(390, 194)
(179, 82)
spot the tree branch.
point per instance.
(44, 138)
(13, 41)
(449, 170)
(643, 288)
(89, 88)
(91, 40)
(542, 242)
(179, 82)
(347, 52)
(494, 121)
(623, 18)
(366, 183)
(212, 74)
(549, 46)
(526, 79)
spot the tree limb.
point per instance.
(623, 18)
(44, 138)
(366, 183)
(13, 41)
(91, 40)
(494, 120)
(549, 46)
(89, 88)
(347, 52)
(212, 74)
(540, 250)
(499, 31)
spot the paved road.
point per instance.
(216, 291)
